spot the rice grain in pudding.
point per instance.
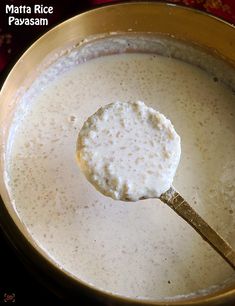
(129, 151)
(142, 249)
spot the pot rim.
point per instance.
(220, 295)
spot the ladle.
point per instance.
(175, 201)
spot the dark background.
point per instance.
(16, 280)
(17, 284)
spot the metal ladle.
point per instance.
(175, 201)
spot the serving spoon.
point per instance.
(92, 155)
(175, 201)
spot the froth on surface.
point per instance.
(142, 249)
(129, 151)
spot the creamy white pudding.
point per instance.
(129, 151)
(142, 249)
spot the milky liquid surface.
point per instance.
(129, 151)
(140, 249)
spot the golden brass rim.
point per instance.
(168, 19)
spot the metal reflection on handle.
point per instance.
(175, 201)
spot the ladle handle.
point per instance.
(173, 199)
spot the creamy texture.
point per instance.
(142, 249)
(129, 151)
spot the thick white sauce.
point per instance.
(142, 249)
(129, 151)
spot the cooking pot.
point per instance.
(193, 27)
